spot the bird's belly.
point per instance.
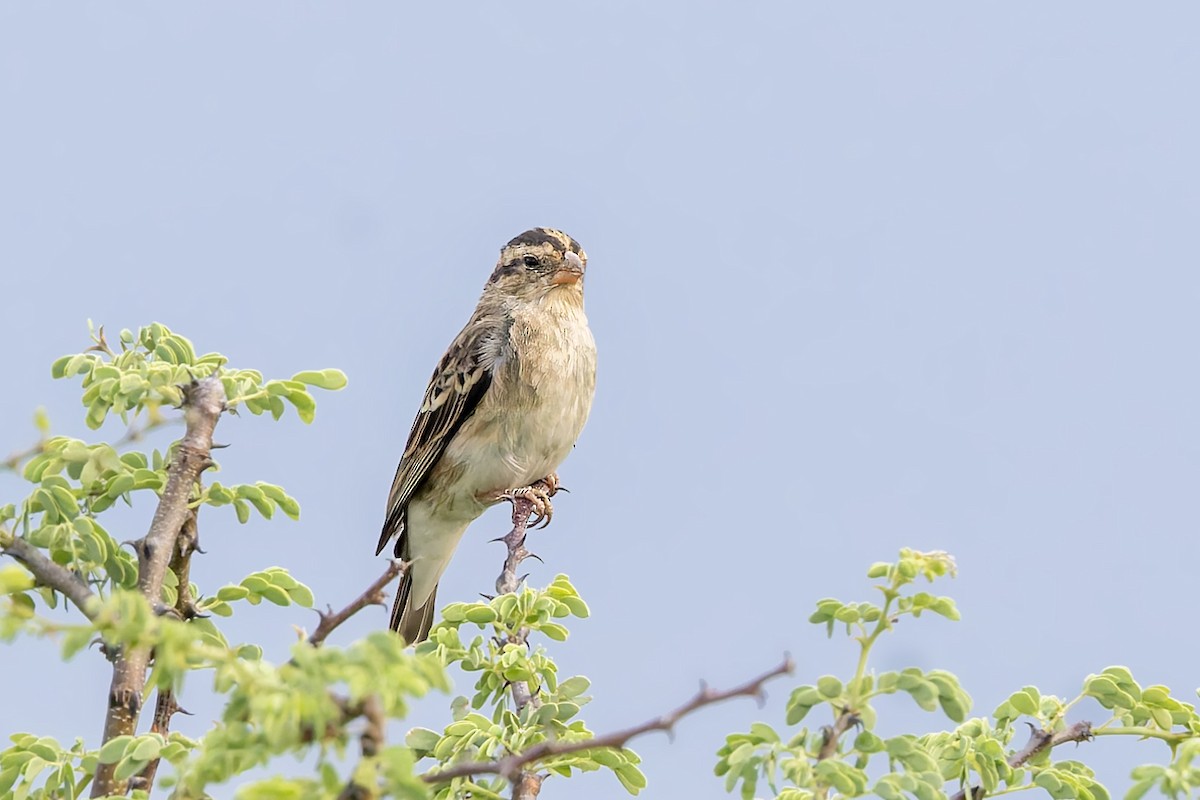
(513, 449)
(519, 437)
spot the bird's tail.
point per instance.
(412, 623)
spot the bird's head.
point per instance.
(539, 262)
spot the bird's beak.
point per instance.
(571, 272)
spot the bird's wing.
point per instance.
(459, 382)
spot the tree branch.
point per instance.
(203, 403)
(512, 766)
(373, 596)
(371, 741)
(1039, 740)
(56, 577)
(165, 705)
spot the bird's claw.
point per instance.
(538, 494)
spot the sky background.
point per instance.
(862, 277)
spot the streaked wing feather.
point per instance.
(457, 385)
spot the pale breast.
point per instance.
(536, 406)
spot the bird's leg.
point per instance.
(538, 494)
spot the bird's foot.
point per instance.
(538, 495)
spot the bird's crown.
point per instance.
(538, 250)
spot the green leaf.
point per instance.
(147, 749)
(829, 687)
(1026, 700)
(480, 614)
(306, 407)
(231, 593)
(114, 749)
(276, 595)
(256, 496)
(422, 740)
(301, 595)
(631, 778)
(331, 379)
(554, 631)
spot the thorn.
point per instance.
(562, 489)
(216, 446)
(488, 597)
(535, 555)
(181, 710)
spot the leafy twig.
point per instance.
(1039, 740)
(527, 785)
(133, 434)
(512, 766)
(372, 596)
(833, 733)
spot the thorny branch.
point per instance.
(1039, 740)
(373, 596)
(512, 766)
(166, 706)
(203, 403)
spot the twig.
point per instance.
(514, 540)
(372, 596)
(165, 705)
(371, 740)
(57, 577)
(203, 403)
(527, 785)
(132, 434)
(833, 733)
(1039, 740)
(511, 766)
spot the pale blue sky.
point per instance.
(862, 277)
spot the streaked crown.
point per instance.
(538, 252)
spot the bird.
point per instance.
(503, 409)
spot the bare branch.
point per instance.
(49, 574)
(373, 596)
(511, 766)
(203, 403)
(1039, 740)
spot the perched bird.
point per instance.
(503, 409)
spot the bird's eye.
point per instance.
(531, 261)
